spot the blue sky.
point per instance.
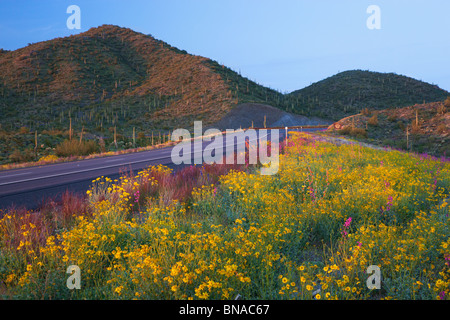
(283, 44)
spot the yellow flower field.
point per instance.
(308, 232)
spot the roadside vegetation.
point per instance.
(213, 232)
(31, 149)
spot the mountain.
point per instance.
(111, 76)
(349, 92)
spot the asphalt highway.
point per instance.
(30, 187)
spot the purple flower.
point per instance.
(136, 196)
(346, 226)
(347, 223)
(388, 205)
(312, 194)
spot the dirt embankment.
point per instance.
(248, 114)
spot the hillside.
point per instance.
(421, 128)
(107, 76)
(347, 93)
(112, 78)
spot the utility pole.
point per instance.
(286, 128)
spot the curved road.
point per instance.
(31, 187)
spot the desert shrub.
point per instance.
(388, 142)
(392, 117)
(345, 131)
(102, 146)
(401, 125)
(53, 132)
(415, 128)
(3, 133)
(24, 130)
(373, 121)
(22, 156)
(447, 102)
(359, 133)
(366, 112)
(354, 132)
(442, 128)
(442, 108)
(76, 148)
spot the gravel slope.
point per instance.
(244, 114)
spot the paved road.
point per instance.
(30, 187)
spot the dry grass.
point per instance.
(70, 148)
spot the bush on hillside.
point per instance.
(442, 128)
(24, 130)
(22, 156)
(354, 132)
(74, 147)
(415, 128)
(373, 121)
(366, 112)
(447, 102)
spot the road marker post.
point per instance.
(286, 128)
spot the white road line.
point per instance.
(114, 160)
(17, 174)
